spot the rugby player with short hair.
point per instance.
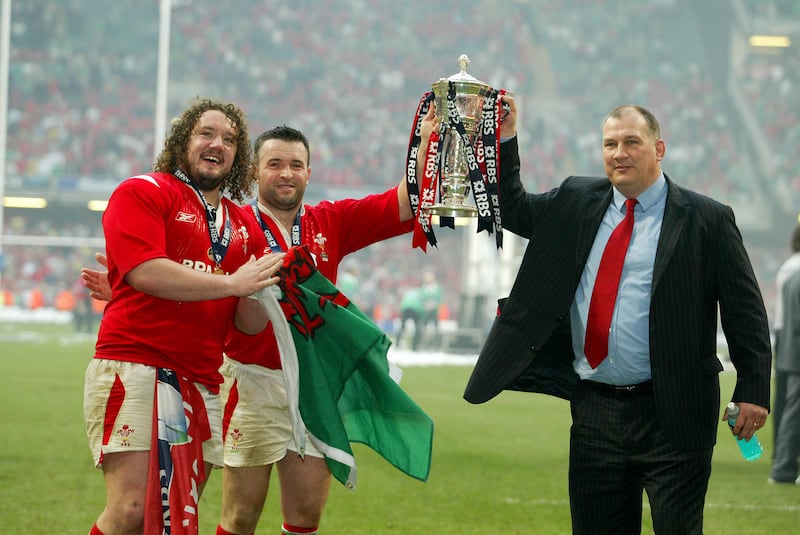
(252, 368)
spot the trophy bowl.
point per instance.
(470, 94)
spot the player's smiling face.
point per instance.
(212, 150)
(283, 173)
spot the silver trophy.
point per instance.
(470, 94)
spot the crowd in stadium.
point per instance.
(82, 101)
(771, 83)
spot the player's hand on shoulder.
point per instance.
(257, 273)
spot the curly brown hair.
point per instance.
(176, 145)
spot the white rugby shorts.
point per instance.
(257, 424)
(120, 419)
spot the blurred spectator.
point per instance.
(412, 310)
(431, 300)
(82, 94)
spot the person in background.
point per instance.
(182, 259)
(639, 363)
(254, 389)
(412, 309)
(83, 314)
(789, 267)
(348, 282)
(785, 468)
(432, 300)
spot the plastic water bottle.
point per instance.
(752, 449)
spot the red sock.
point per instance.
(220, 531)
(288, 529)
(95, 531)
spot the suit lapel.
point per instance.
(675, 213)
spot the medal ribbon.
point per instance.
(489, 145)
(219, 245)
(423, 233)
(483, 201)
(271, 240)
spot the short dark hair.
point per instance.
(650, 119)
(282, 133)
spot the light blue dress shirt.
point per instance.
(628, 360)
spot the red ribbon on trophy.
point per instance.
(461, 157)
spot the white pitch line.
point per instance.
(739, 506)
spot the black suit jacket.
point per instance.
(701, 266)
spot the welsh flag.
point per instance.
(338, 377)
(180, 426)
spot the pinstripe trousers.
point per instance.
(618, 450)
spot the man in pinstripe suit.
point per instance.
(646, 417)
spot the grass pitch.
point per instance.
(500, 467)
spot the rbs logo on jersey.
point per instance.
(197, 265)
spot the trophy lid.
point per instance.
(465, 83)
(463, 75)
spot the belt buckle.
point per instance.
(631, 390)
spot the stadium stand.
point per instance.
(350, 72)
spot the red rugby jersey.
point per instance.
(158, 216)
(331, 230)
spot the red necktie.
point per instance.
(604, 294)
